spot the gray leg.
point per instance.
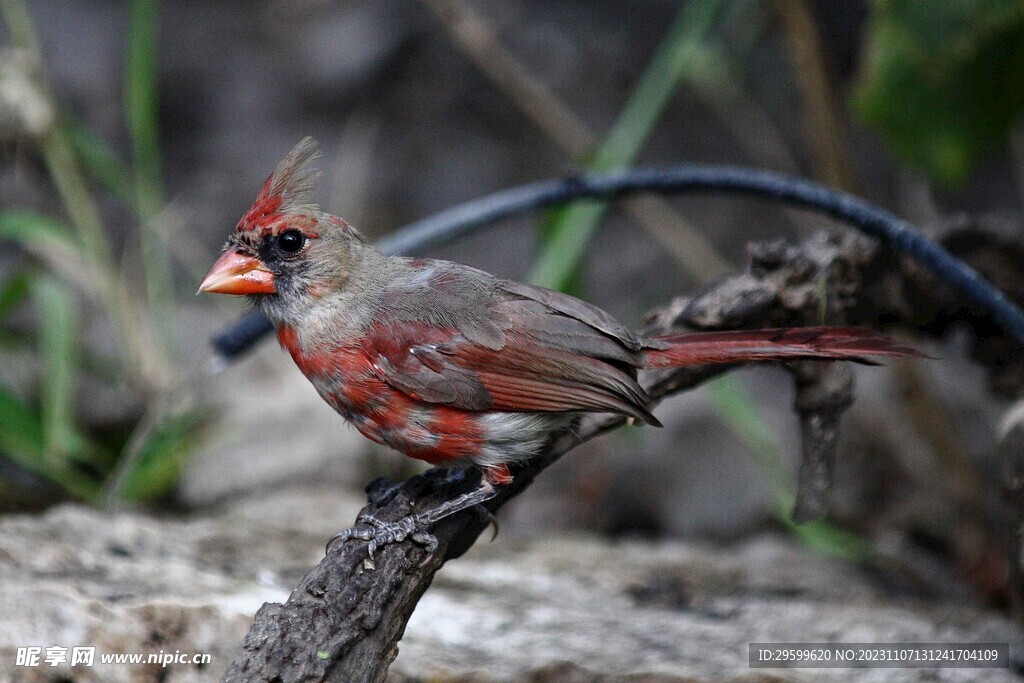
(415, 527)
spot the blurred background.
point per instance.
(134, 134)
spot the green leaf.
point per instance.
(942, 80)
(738, 411)
(563, 247)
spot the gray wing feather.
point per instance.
(574, 308)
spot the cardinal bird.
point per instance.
(447, 363)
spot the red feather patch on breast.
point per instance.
(350, 379)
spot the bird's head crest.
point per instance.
(287, 190)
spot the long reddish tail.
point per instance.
(798, 343)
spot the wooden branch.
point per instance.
(824, 391)
(344, 620)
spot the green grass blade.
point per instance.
(54, 245)
(143, 127)
(60, 158)
(58, 332)
(141, 103)
(13, 292)
(157, 468)
(738, 411)
(23, 226)
(101, 164)
(59, 447)
(567, 239)
(23, 440)
(827, 539)
(21, 433)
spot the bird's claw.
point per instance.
(379, 533)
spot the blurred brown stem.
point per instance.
(826, 136)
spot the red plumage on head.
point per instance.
(287, 190)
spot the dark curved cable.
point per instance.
(449, 225)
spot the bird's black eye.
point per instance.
(291, 241)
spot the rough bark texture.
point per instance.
(823, 392)
(345, 618)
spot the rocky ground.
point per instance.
(568, 607)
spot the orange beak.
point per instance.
(237, 273)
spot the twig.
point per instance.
(475, 36)
(823, 393)
(826, 136)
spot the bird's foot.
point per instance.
(414, 527)
(379, 533)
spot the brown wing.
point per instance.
(558, 354)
